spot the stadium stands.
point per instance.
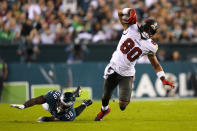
(52, 21)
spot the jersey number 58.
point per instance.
(128, 48)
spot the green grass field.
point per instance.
(151, 115)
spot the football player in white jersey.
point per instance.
(135, 42)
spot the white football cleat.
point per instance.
(17, 106)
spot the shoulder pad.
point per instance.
(153, 46)
(154, 43)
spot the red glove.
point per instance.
(166, 82)
(132, 17)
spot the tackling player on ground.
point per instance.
(60, 105)
(135, 42)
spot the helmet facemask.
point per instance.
(66, 101)
(148, 28)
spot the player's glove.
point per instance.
(166, 82)
(41, 119)
(17, 106)
(47, 119)
(87, 102)
(132, 17)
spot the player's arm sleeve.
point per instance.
(80, 109)
(47, 119)
(35, 101)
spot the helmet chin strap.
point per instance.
(145, 35)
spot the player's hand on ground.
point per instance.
(87, 102)
(41, 119)
(47, 119)
(17, 106)
(166, 82)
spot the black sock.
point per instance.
(105, 102)
(79, 109)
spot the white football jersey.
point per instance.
(130, 48)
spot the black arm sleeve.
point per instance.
(51, 118)
(79, 109)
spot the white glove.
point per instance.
(17, 106)
(40, 119)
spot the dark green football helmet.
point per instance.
(67, 99)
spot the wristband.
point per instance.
(160, 74)
(125, 11)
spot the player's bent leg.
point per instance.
(104, 109)
(123, 105)
(125, 90)
(105, 100)
(109, 85)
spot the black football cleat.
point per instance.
(77, 92)
(100, 115)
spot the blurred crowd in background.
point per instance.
(76, 23)
(29, 23)
(65, 21)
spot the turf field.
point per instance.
(152, 115)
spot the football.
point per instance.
(125, 19)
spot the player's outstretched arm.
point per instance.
(31, 102)
(47, 119)
(158, 69)
(80, 108)
(127, 17)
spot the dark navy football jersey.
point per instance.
(52, 97)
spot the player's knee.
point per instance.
(123, 105)
(105, 97)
